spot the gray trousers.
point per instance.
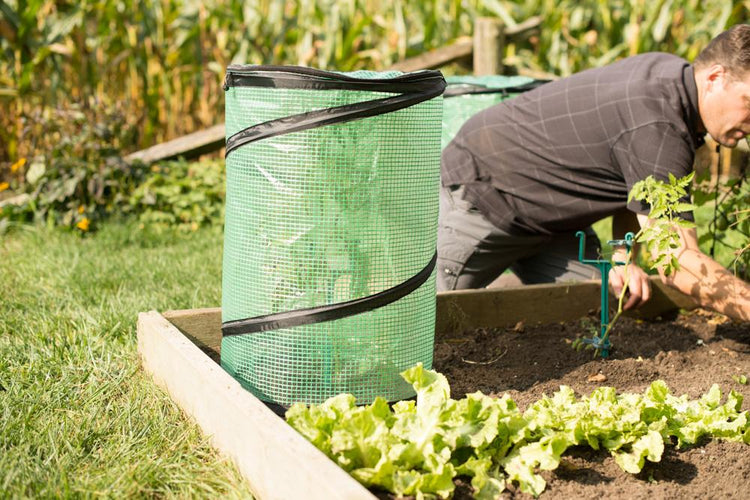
(472, 252)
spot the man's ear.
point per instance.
(716, 74)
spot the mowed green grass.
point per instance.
(78, 416)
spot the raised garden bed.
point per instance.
(515, 341)
(690, 353)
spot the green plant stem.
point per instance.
(605, 335)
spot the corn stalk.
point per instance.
(164, 60)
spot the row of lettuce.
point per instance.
(419, 448)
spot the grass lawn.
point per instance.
(78, 417)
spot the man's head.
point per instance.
(722, 74)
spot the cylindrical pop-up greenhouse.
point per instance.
(466, 96)
(330, 231)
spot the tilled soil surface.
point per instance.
(689, 352)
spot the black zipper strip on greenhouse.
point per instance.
(412, 88)
(298, 77)
(328, 312)
(459, 89)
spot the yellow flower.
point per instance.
(83, 224)
(17, 165)
(81, 209)
(4, 186)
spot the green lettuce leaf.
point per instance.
(417, 448)
(650, 446)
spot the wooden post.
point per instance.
(736, 161)
(489, 39)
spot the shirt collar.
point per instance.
(691, 108)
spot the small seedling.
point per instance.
(601, 342)
(666, 202)
(740, 379)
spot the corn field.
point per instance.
(162, 62)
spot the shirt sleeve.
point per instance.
(655, 149)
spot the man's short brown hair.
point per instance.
(731, 49)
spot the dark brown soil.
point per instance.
(690, 353)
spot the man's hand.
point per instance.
(638, 284)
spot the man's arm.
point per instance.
(706, 280)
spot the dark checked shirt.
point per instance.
(562, 156)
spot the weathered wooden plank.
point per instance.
(463, 310)
(462, 47)
(664, 299)
(188, 146)
(277, 461)
(522, 28)
(469, 309)
(201, 326)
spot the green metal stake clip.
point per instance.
(598, 341)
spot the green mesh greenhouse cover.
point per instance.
(330, 231)
(467, 95)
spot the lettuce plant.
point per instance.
(419, 447)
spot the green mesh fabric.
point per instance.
(323, 216)
(458, 109)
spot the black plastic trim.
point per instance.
(322, 117)
(412, 88)
(328, 312)
(299, 77)
(459, 89)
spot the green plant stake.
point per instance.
(601, 342)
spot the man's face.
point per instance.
(726, 107)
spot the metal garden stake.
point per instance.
(601, 342)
